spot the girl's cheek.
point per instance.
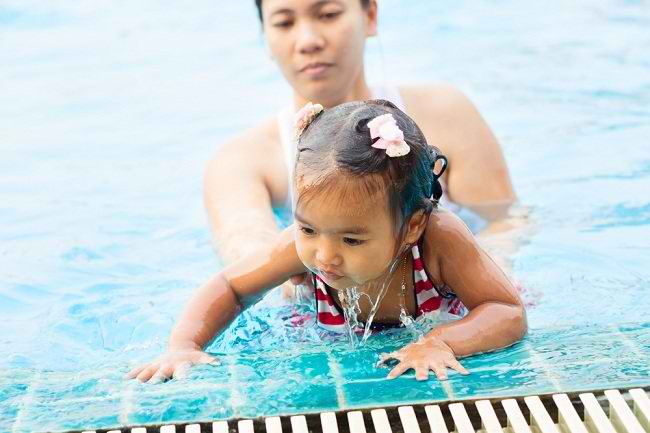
(303, 253)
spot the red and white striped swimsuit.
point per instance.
(427, 297)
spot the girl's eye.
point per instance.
(352, 242)
(307, 231)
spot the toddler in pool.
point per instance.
(366, 216)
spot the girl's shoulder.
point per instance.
(446, 236)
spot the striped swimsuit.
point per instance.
(428, 298)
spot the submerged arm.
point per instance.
(237, 196)
(478, 176)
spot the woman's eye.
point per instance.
(352, 242)
(307, 231)
(282, 24)
(330, 16)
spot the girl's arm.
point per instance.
(497, 317)
(217, 302)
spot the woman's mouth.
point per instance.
(316, 69)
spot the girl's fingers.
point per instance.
(385, 357)
(134, 372)
(146, 374)
(457, 366)
(421, 373)
(181, 370)
(382, 359)
(164, 372)
(208, 359)
(440, 371)
(398, 370)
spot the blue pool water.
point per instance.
(110, 112)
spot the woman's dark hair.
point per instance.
(258, 4)
(335, 155)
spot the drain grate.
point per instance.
(611, 411)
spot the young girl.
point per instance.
(366, 213)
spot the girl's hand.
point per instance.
(424, 355)
(174, 363)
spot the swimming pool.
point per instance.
(114, 110)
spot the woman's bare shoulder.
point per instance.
(260, 137)
(439, 101)
(235, 153)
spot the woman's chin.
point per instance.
(317, 90)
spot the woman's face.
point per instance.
(346, 244)
(319, 44)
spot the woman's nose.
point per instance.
(309, 39)
(327, 255)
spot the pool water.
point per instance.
(111, 112)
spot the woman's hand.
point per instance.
(298, 287)
(173, 363)
(426, 354)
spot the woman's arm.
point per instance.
(478, 176)
(241, 182)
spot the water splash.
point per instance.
(350, 297)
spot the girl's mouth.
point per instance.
(329, 276)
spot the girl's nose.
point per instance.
(309, 40)
(326, 255)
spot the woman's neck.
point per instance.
(358, 92)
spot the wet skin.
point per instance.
(331, 241)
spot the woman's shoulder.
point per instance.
(437, 101)
(235, 152)
(253, 155)
(261, 136)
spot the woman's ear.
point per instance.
(415, 227)
(371, 17)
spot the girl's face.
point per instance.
(346, 244)
(319, 44)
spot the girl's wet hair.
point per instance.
(335, 157)
(258, 4)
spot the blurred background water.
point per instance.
(111, 109)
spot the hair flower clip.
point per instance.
(304, 117)
(390, 136)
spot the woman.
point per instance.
(319, 46)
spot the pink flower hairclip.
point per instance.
(304, 117)
(390, 136)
